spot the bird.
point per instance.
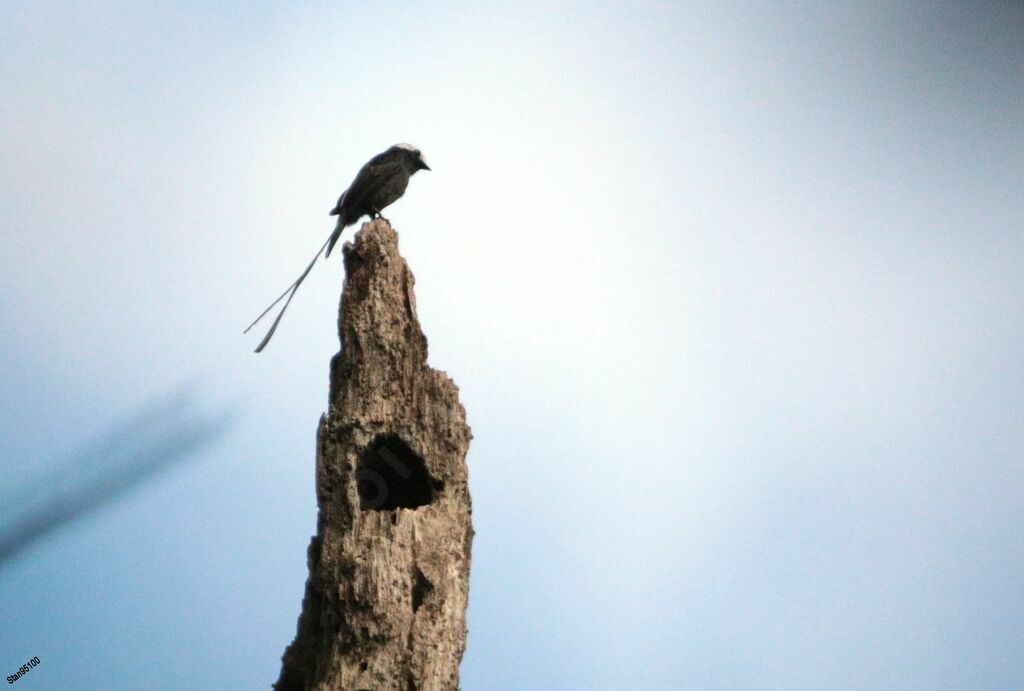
(378, 184)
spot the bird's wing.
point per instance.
(379, 169)
(337, 207)
(353, 202)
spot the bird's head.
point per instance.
(413, 157)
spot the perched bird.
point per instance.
(378, 184)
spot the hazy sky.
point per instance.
(734, 296)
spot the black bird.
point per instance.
(378, 184)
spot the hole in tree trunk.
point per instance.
(390, 475)
(421, 587)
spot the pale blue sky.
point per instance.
(734, 297)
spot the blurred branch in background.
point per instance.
(166, 432)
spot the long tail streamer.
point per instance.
(290, 293)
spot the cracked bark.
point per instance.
(386, 596)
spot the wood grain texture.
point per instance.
(386, 597)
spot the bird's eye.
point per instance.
(417, 152)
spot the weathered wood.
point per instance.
(388, 583)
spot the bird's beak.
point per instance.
(423, 165)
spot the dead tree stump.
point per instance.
(385, 601)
